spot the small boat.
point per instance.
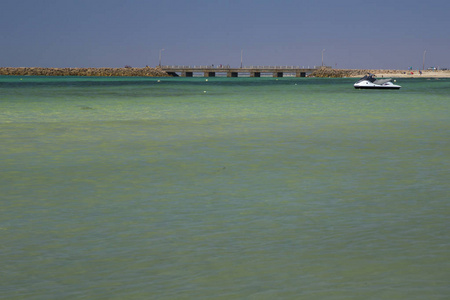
(369, 82)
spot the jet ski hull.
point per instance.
(393, 87)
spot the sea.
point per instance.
(223, 188)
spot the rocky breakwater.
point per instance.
(328, 72)
(144, 72)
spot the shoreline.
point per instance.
(158, 72)
(380, 73)
(416, 74)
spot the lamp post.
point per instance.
(160, 57)
(242, 51)
(322, 56)
(423, 64)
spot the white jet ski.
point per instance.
(369, 82)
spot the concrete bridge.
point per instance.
(254, 71)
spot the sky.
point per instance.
(113, 33)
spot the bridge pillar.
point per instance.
(300, 74)
(232, 74)
(209, 74)
(255, 74)
(277, 74)
(187, 74)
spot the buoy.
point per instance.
(206, 80)
(159, 80)
(204, 91)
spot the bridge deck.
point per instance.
(210, 71)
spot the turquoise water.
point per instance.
(231, 188)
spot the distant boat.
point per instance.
(369, 82)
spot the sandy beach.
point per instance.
(412, 74)
(329, 72)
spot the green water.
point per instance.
(231, 188)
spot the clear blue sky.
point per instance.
(115, 33)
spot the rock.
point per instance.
(145, 72)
